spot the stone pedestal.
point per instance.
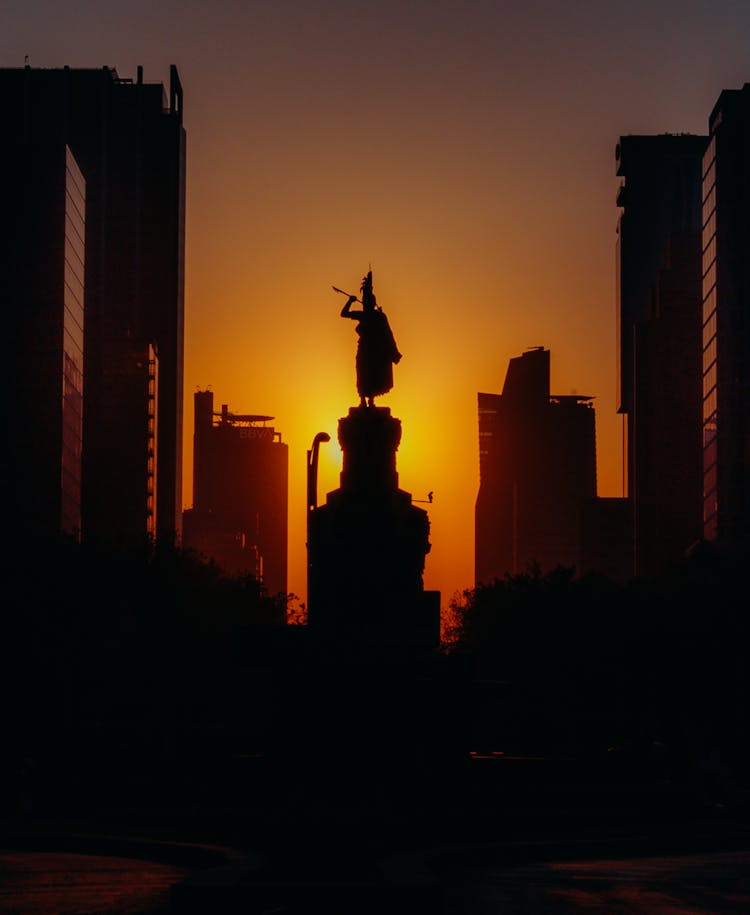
(367, 546)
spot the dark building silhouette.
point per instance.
(129, 143)
(608, 538)
(130, 381)
(367, 547)
(42, 256)
(659, 324)
(726, 324)
(537, 470)
(240, 483)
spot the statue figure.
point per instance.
(376, 350)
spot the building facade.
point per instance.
(537, 472)
(42, 263)
(726, 322)
(239, 516)
(128, 140)
(130, 378)
(659, 326)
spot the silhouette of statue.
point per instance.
(376, 350)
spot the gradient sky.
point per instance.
(464, 150)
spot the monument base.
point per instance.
(367, 546)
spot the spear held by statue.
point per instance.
(353, 297)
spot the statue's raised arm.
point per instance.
(377, 352)
(346, 311)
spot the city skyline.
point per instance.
(435, 730)
(468, 158)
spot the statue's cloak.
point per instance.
(376, 354)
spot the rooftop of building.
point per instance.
(633, 147)
(171, 98)
(729, 99)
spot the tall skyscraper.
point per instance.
(537, 472)
(129, 143)
(42, 256)
(659, 320)
(240, 505)
(726, 322)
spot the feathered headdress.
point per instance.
(368, 296)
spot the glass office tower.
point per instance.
(726, 322)
(42, 264)
(659, 326)
(128, 140)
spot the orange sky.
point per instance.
(464, 150)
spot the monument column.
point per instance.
(367, 544)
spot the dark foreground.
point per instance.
(43, 883)
(500, 835)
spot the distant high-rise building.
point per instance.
(726, 322)
(659, 326)
(537, 470)
(240, 503)
(42, 257)
(129, 143)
